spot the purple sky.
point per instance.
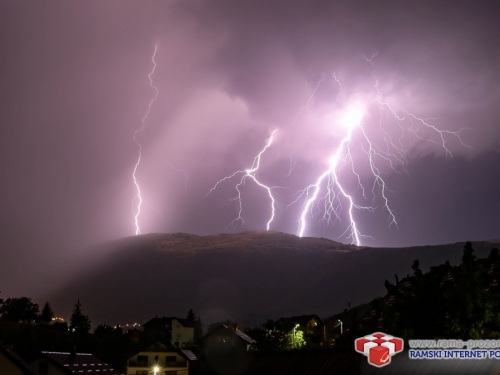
(75, 88)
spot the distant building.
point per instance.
(12, 364)
(224, 348)
(179, 332)
(63, 363)
(165, 360)
(311, 325)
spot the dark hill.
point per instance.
(248, 277)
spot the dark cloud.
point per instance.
(75, 88)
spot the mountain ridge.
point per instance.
(248, 277)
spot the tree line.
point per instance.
(454, 302)
(24, 310)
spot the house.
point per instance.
(311, 325)
(179, 332)
(64, 363)
(224, 348)
(12, 364)
(162, 359)
(225, 338)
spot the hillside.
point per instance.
(247, 277)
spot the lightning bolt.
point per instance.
(351, 119)
(251, 173)
(309, 100)
(370, 60)
(394, 153)
(183, 172)
(137, 209)
(293, 164)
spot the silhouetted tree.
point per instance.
(190, 316)
(118, 331)
(196, 321)
(447, 302)
(103, 330)
(494, 256)
(416, 268)
(390, 288)
(198, 329)
(468, 257)
(269, 338)
(79, 322)
(47, 314)
(471, 308)
(62, 326)
(21, 310)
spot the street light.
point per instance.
(341, 330)
(156, 369)
(294, 335)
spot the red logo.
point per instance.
(379, 348)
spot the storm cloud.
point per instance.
(75, 88)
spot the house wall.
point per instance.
(7, 367)
(133, 363)
(182, 335)
(315, 330)
(313, 326)
(222, 350)
(222, 342)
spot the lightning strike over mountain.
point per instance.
(351, 120)
(357, 135)
(136, 210)
(252, 174)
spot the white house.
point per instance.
(158, 359)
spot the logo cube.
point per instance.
(359, 344)
(379, 356)
(379, 347)
(398, 344)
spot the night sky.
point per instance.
(75, 89)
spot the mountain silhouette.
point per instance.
(247, 277)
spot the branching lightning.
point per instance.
(136, 210)
(393, 153)
(351, 120)
(353, 180)
(252, 174)
(309, 101)
(293, 164)
(370, 60)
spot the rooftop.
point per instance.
(80, 363)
